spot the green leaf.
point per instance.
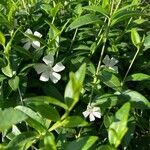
(2, 39)
(46, 111)
(124, 15)
(97, 9)
(106, 101)
(10, 116)
(108, 120)
(74, 87)
(45, 99)
(137, 100)
(2, 77)
(83, 143)
(49, 142)
(84, 20)
(52, 91)
(8, 70)
(110, 79)
(34, 120)
(136, 40)
(74, 121)
(147, 42)
(106, 147)
(22, 141)
(118, 128)
(130, 133)
(14, 83)
(138, 77)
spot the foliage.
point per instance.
(96, 64)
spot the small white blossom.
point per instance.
(110, 63)
(47, 70)
(28, 42)
(92, 112)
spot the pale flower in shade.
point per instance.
(110, 63)
(29, 42)
(48, 71)
(92, 112)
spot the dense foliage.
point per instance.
(74, 74)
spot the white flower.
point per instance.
(92, 112)
(110, 63)
(28, 42)
(47, 70)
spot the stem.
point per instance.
(73, 39)
(101, 56)
(138, 49)
(21, 99)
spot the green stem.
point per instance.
(138, 49)
(73, 39)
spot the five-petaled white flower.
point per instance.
(28, 42)
(92, 112)
(110, 63)
(47, 70)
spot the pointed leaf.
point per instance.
(138, 77)
(10, 116)
(74, 121)
(118, 128)
(83, 143)
(14, 83)
(137, 100)
(45, 99)
(84, 20)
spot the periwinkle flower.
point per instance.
(48, 71)
(92, 112)
(29, 42)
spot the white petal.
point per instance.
(37, 34)
(36, 44)
(40, 67)
(44, 76)
(58, 67)
(97, 114)
(106, 60)
(55, 77)
(48, 59)
(28, 31)
(113, 62)
(92, 118)
(27, 45)
(86, 113)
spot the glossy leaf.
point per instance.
(137, 100)
(34, 120)
(138, 77)
(2, 39)
(84, 20)
(45, 99)
(110, 79)
(96, 9)
(14, 83)
(10, 116)
(106, 147)
(135, 37)
(49, 142)
(82, 143)
(74, 121)
(22, 141)
(118, 128)
(46, 111)
(106, 101)
(74, 87)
